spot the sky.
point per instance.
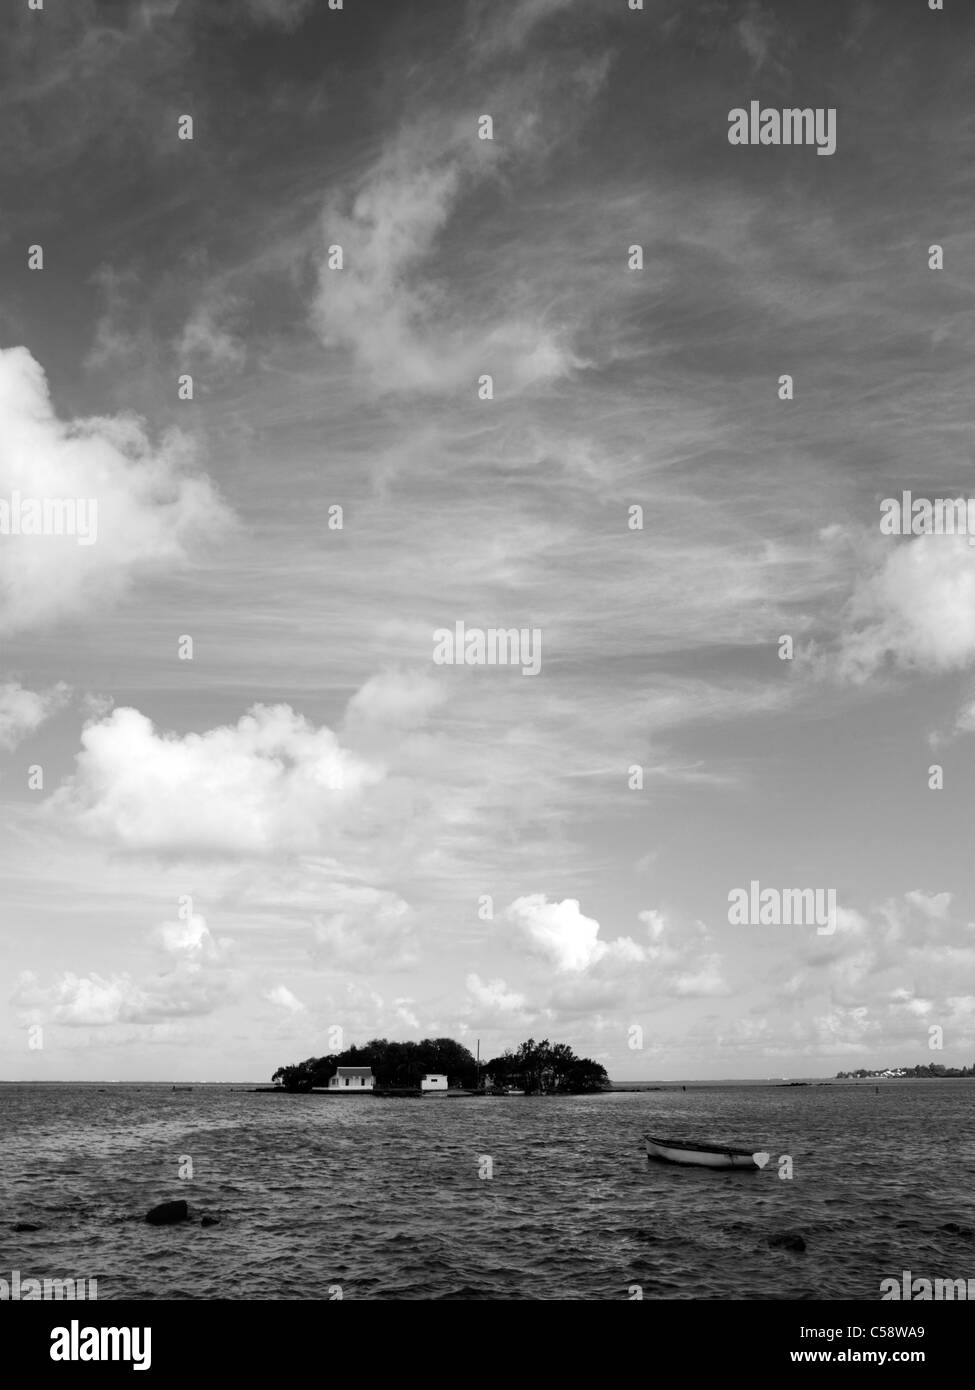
(245, 814)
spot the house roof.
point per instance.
(354, 1071)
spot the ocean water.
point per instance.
(383, 1198)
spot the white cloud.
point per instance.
(559, 933)
(386, 302)
(933, 905)
(148, 509)
(195, 981)
(917, 609)
(405, 1014)
(284, 999)
(371, 928)
(270, 783)
(706, 981)
(23, 711)
(396, 700)
(494, 995)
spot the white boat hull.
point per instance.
(707, 1156)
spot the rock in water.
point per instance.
(210, 1221)
(787, 1240)
(167, 1214)
(25, 1226)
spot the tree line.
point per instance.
(932, 1069)
(535, 1068)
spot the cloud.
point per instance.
(195, 982)
(283, 14)
(917, 609)
(208, 338)
(148, 510)
(23, 711)
(500, 29)
(874, 961)
(396, 700)
(965, 719)
(388, 302)
(494, 996)
(371, 929)
(284, 999)
(559, 933)
(271, 783)
(755, 31)
(404, 1013)
(933, 905)
(707, 981)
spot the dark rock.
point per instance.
(25, 1226)
(168, 1214)
(210, 1221)
(787, 1240)
(965, 1232)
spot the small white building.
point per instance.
(434, 1081)
(352, 1079)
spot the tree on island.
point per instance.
(532, 1067)
(547, 1067)
(394, 1064)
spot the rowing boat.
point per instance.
(700, 1155)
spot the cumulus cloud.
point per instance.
(149, 510)
(196, 981)
(873, 964)
(23, 711)
(494, 996)
(396, 700)
(270, 783)
(706, 981)
(562, 935)
(933, 905)
(916, 609)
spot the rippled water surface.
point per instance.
(383, 1197)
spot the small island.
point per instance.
(533, 1068)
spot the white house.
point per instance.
(434, 1081)
(352, 1079)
